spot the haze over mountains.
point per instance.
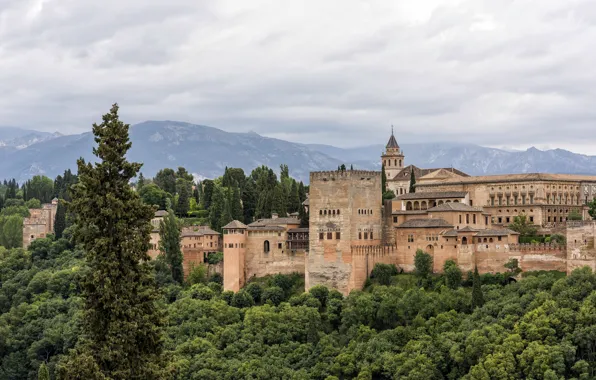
(206, 151)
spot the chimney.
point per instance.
(274, 215)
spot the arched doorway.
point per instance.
(430, 249)
(266, 247)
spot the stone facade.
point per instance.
(451, 215)
(40, 222)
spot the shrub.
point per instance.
(227, 296)
(382, 273)
(453, 275)
(216, 278)
(242, 299)
(274, 295)
(321, 293)
(255, 290)
(214, 258)
(201, 292)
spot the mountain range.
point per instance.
(206, 151)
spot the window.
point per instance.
(460, 218)
(320, 212)
(410, 238)
(395, 219)
(329, 235)
(532, 219)
(371, 235)
(359, 235)
(507, 219)
(337, 212)
(471, 203)
(500, 220)
(499, 238)
(337, 235)
(320, 236)
(366, 236)
(492, 201)
(278, 245)
(266, 247)
(486, 220)
(467, 218)
(474, 218)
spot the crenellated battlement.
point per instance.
(383, 249)
(344, 174)
(537, 247)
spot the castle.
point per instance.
(39, 223)
(451, 215)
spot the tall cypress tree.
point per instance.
(412, 181)
(304, 217)
(169, 244)
(183, 189)
(216, 209)
(236, 204)
(294, 204)
(122, 325)
(249, 200)
(383, 180)
(60, 220)
(279, 201)
(140, 182)
(477, 297)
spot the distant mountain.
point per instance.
(206, 151)
(17, 138)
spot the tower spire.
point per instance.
(391, 129)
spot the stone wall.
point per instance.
(354, 197)
(580, 245)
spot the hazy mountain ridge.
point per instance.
(206, 151)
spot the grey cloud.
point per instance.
(490, 72)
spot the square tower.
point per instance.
(345, 212)
(393, 158)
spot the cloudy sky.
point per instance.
(492, 72)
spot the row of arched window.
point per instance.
(364, 212)
(388, 162)
(233, 245)
(328, 212)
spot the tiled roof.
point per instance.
(501, 232)
(426, 223)
(467, 229)
(404, 174)
(513, 178)
(235, 224)
(265, 228)
(302, 229)
(454, 206)
(449, 233)
(392, 143)
(198, 231)
(433, 195)
(275, 222)
(410, 212)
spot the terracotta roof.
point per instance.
(404, 174)
(392, 142)
(449, 233)
(513, 178)
(302, 229)
(433, 195)
(501, 232)
(235, 224)
(454, 206)
(160, 213)
(410, 212)
(274, 222)
(265, 228)
(198, 231)
(426, 223)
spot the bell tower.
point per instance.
(393, 158)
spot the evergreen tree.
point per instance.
(140, 182)
(249, 201)
(294, 204)
(304, 217)
(477, 297)
(183, 188)
(122, 325)
(351, 167)
(60, 220)
(208, 187)
(169, 245)
(216, 208)
(383, 180)
(301, 192)
(236, 205)
(43, 373)
(165, 179)
(279, 201)
(342, 167)
(412, 181)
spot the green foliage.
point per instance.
(39, 187)
(383, 273)
(60, 220)
(165, 179)
(412, 181)
(214, 258)
(273, 295)
(523, 226)
(558, 239)
(11, 231)
(197, 274)
(574, 215)
(14, 202)
(152, 195)
(388, 195)
(121, 320)
(184, 191)
(477, 296)
(33, 203)
(513, 266)
(423, 264)
(453, 275)
(43, 373)
(242, 299)
(169, 245)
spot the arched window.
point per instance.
(395, 162)
(416, 205)
(320, 212)
(325, 212)
(440, 203)
(337, 212)
(485, 240)
(409, 206)
(490, 240)
(423, 205)
(400, 163)
(266, 247)
(333, 212)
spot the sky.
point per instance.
(497, 73)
